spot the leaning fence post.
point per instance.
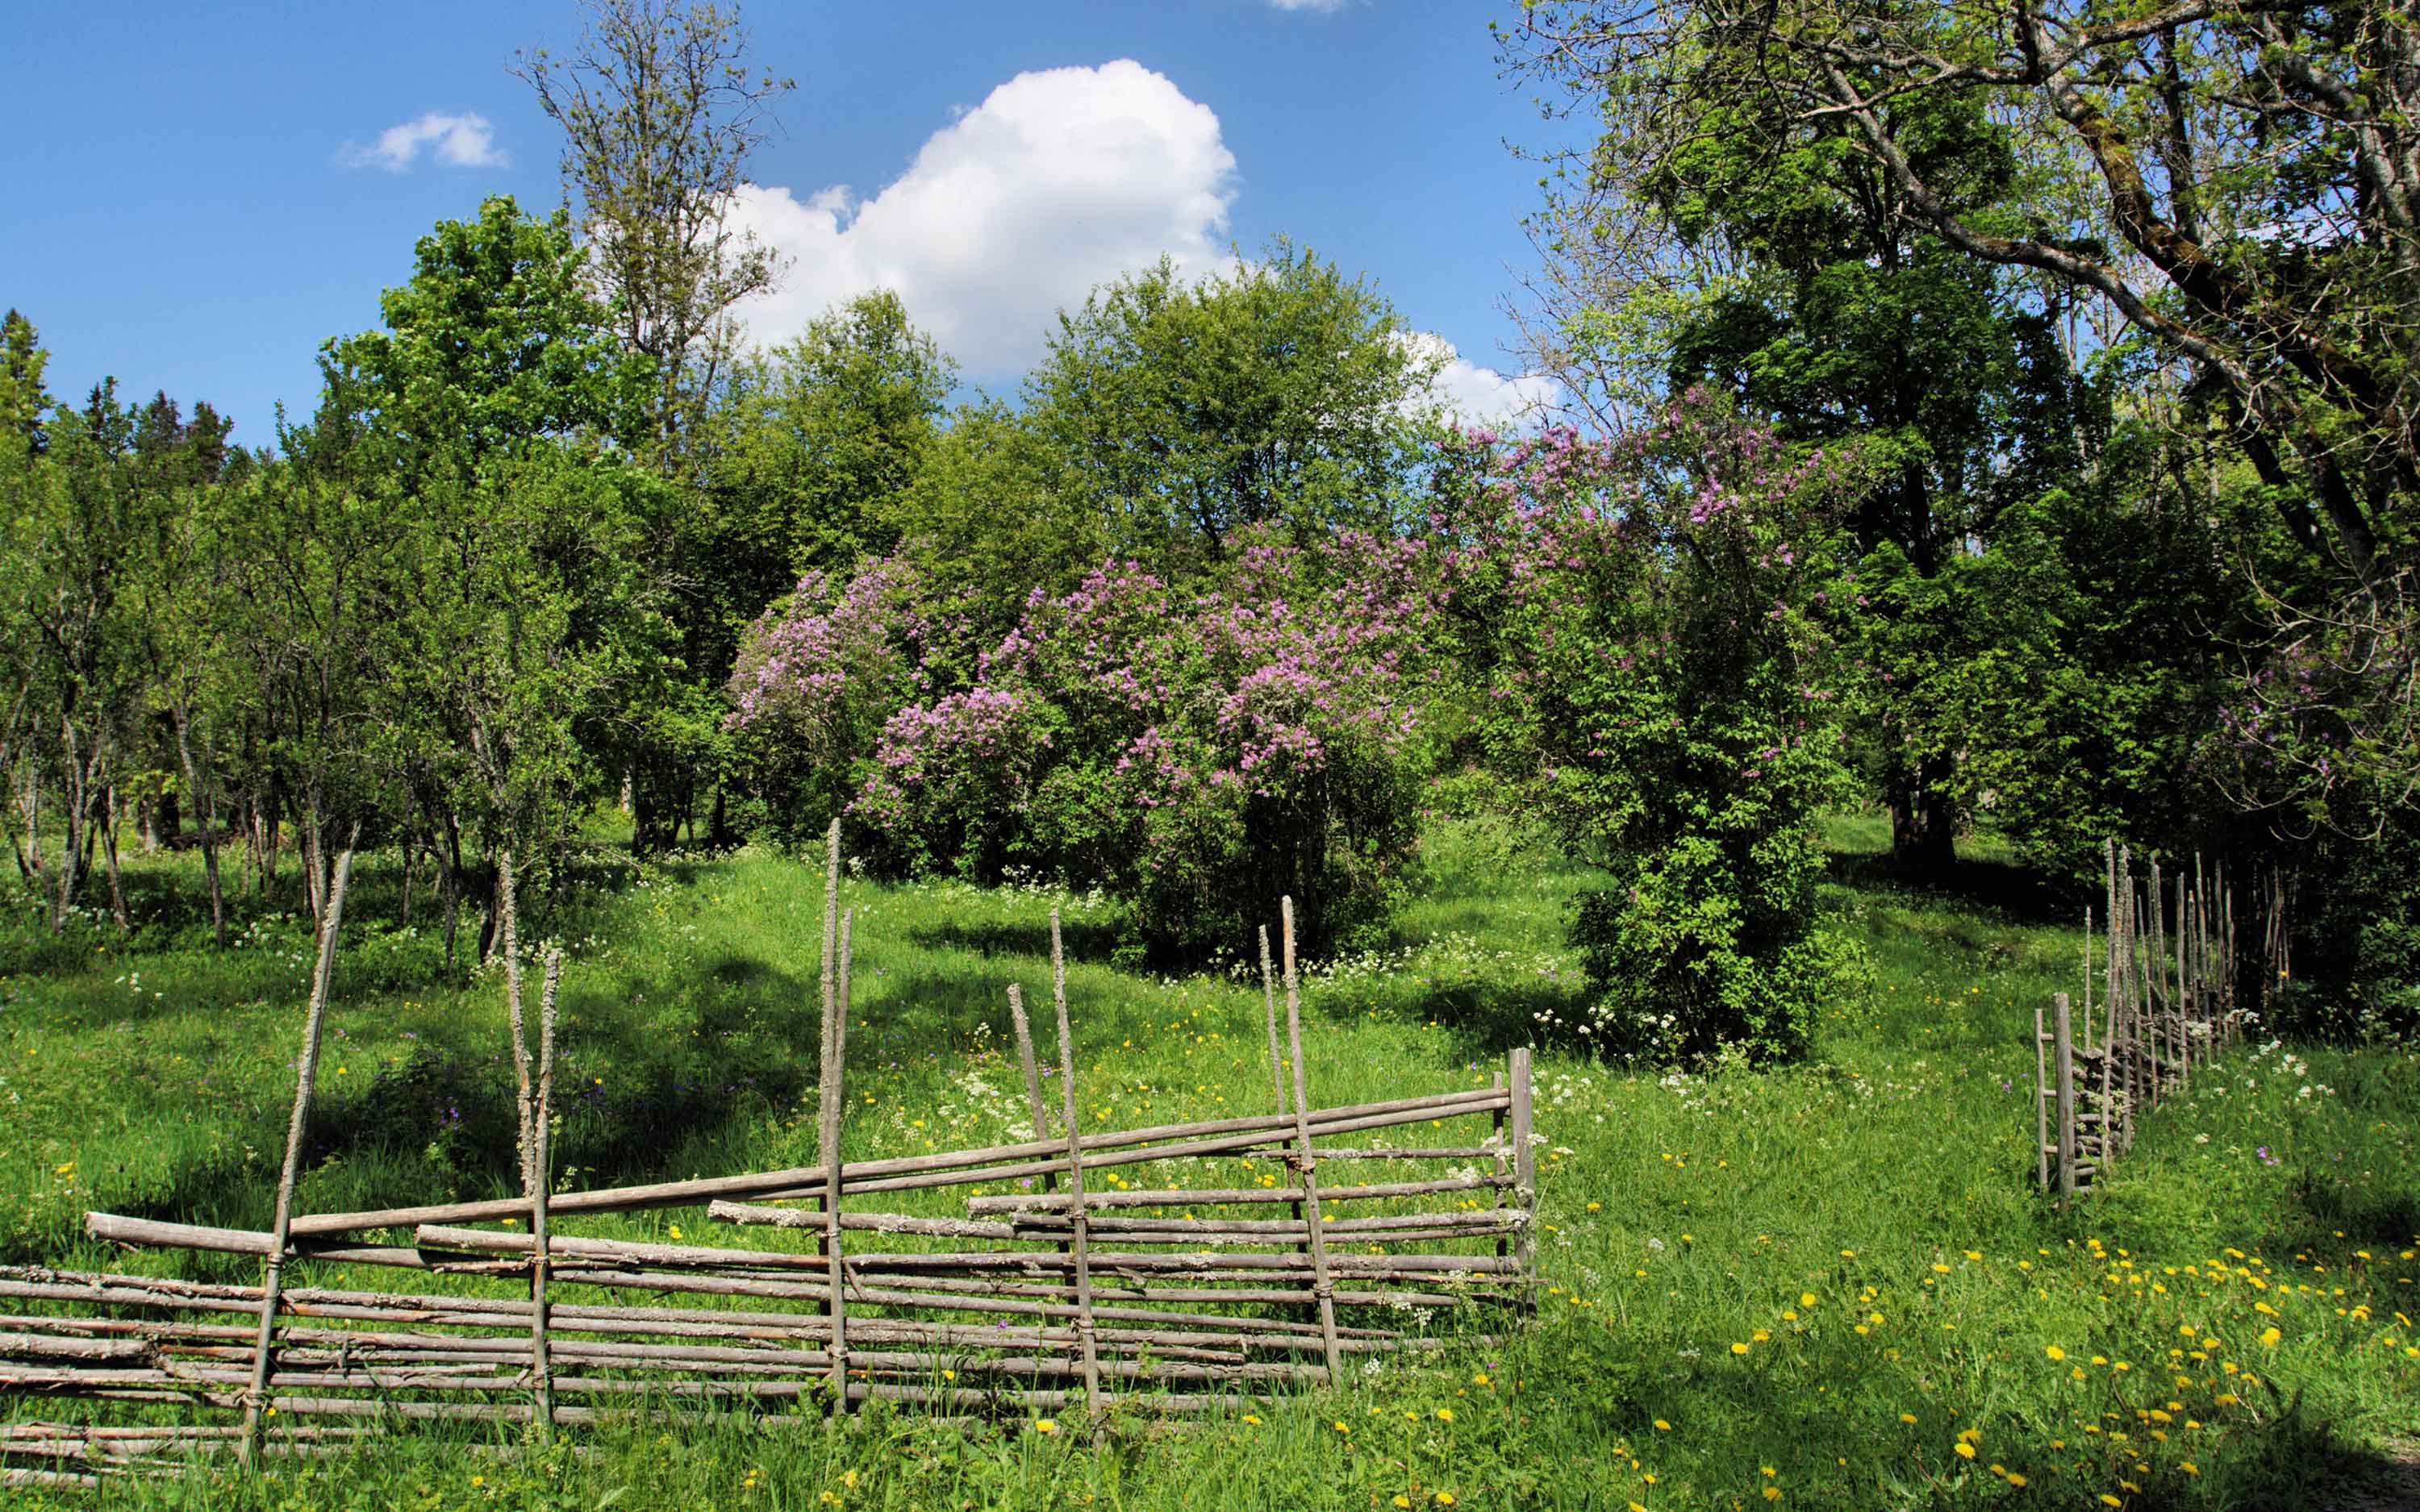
(1078, 1224)
(306, 1072)
(2063, 1052)
(1321, 1289)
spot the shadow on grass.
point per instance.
(2000, 888)
(1091, 941)
(692, 1064)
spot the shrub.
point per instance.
(1197, 751)
(1653, 621)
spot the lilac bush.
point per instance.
(1199, 750)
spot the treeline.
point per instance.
(1222, 601)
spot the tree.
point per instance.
(2232, 184)
(1278, 391)
(660, 110)
(23, 399)
(495, 342)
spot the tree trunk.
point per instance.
(452, 875)
(167, 818)
(1924, 823)
(109, 858)
(206, 812)
(73, 799)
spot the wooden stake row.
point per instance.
(2169, 978)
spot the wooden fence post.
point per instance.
(1269, 1001)
(1525, 1172)
(831, 1091)
(540, 1188)
(2041, 1104)
(1079, 1225)
(1321, 1289)
(2063, 1054)
(306, 1072)
(1502, 1141)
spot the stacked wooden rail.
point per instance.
(2169, 979)
(1048, 1295)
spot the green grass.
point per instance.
(1687, 1216)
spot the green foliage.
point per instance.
(1655, 619)
(1279, 391)
(494, 343)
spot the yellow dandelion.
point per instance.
(1738, 1349)
(2054, 1351)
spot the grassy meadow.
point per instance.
(1826, 1286)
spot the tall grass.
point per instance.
(1830, 1285)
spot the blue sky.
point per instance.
(200, 195)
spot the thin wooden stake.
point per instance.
(1269, 999)
(2063, 1048)
(1525, 1172)
(828, 1139)
(1078, 1224)
(1025, 1057)
(306, 1072)
(542, 1182)
(1503, 1152)
(2042, 1105)
(1307, 1162)
(1278, 1079)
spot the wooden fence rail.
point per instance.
(1062, 1298)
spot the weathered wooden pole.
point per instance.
(1525, 1171)
(1269, 1001)
(2063, 1049)
(307, 1072)
(2041, 1104)
(541, 1180)
(1306, 1162)
(1079, 1223)
(828, 1152)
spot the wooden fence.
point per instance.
(1053, 1294)
(2170, 983)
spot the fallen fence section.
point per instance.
(1053, 1294)
(2168, 973)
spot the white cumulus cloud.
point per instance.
(1061, 180)
(464, 141)
(1481, 395)
(1308, 4)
